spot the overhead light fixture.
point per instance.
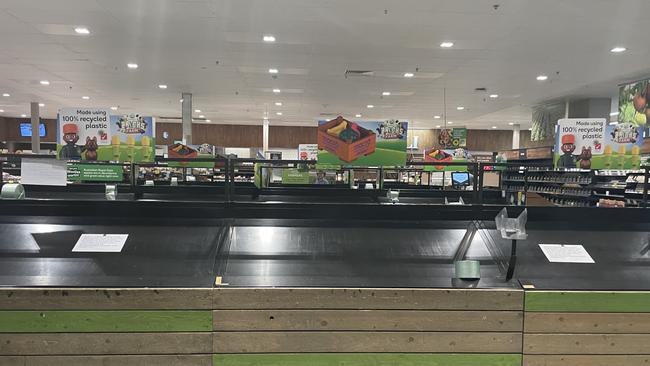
(207, 120)
(358, 115)
(6, 94)
(613, 123)
(268, 38)
(510, 124)
(613, 114)
(542, 78)
(113, 108)
(447, 44)
(618, 49)
(494, 127)
(41, 104)
(450, 122)
(180, 100)
(530, 129)
(386, 93)
(276, 91)
(23, 115)
(437, 117)
(44, 82)
(409, 74)
(201, 116)
(278, 113)
(278, 104)
(197, 111)
(162, 86)
(2, 110)
(438, 126)
(273, 71)
(370, 106)
(85, 97)
(460, 108)
(494, 96)
(132, 66)
(82, 30)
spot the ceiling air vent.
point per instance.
(328, 114)
(480, 89)
(357, 73)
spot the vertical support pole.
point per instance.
(36, 120)
(516, 133)
(265, 136)
(186, 107)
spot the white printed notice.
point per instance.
(560, 253)
(44, 172)
(100, 243)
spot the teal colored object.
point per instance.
(12, 191)
(468, 270)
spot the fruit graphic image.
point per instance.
(634, 160)
(620, 157)
(607, 157)
(115, 143)
(145, 143)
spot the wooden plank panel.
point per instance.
(104, 343)
(587, 323)
(429, 342)
(104, 299)
(139, 360)
(372, 320)
(588, 302)
(106, 321)
(586, 360)
(366, 359)
(586, 344)
(340, 298)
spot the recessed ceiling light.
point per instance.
(132, 66)
(44, 82)
(82, 30)
(162, 86)
(41, 104)
(494, 96)
(273, 71)
(6, 94)
(450, 122)
(494, 126)
(85, 97)
(197, 111)
(510, 124)
(358, 115)
(386, 93)
(278, 104)
(2, 110)
(180, 100)
(268, 38)
(409, 74)
(201, 116)
(278, 113)
(438, 126)
(618, 49)
(113, 108)
(370, 106)
(542, 78)
(530, 129)
(276, 91)
(613, 114)
(460, 108)
(437, 116)
(207, 120)
(447, 44)
(23, 115)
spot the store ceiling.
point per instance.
(215, 50)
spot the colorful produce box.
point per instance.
(346, 139)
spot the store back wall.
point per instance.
(10, 130)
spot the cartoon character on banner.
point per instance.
(70, 136)
(91, 148)
(567, 160)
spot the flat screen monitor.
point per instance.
(26, 129)
(460, 178)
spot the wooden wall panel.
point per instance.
(290, 137)
(525, 142)
(113, 360)
(489, 140)
(175, 131)
(426, 138)
(10, 130)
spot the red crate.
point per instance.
(346, 150)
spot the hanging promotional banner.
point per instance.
(342, 142)
(180, 150)
(591, 143)
(633, 103)
(434, 155)
(308, 151)
(93, 134)
(452, 138)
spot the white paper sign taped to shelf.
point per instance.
(561, 253)
(100, 243)
(43, 172)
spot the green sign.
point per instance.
(295, 176)
(95, 173)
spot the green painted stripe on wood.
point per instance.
(365, 359)
(587, 301)
(105, 321)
